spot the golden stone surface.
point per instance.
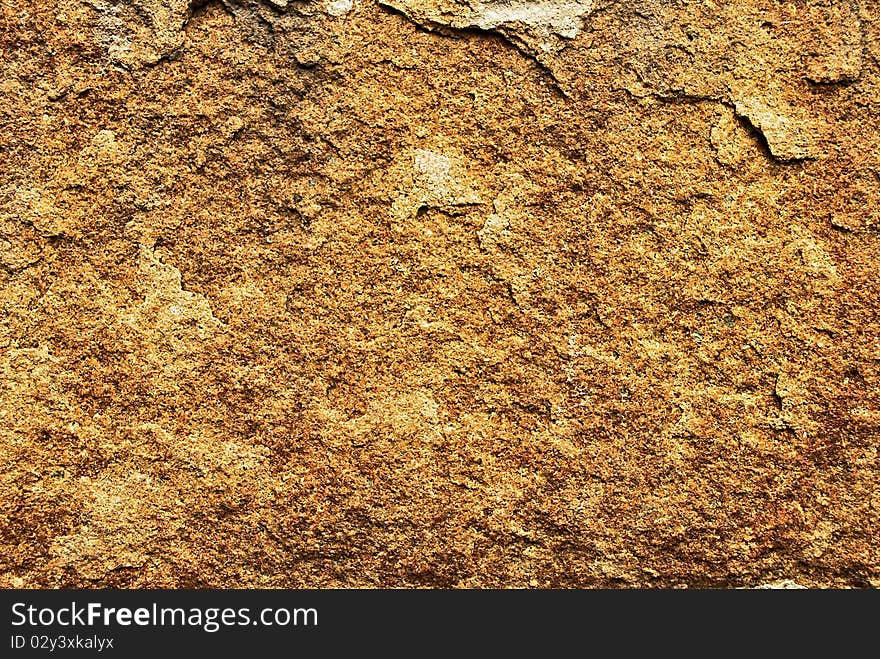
(360, 293)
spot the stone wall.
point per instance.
(564, 293)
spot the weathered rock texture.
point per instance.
(434, 293)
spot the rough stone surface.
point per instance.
(459, 294)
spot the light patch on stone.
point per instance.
(111, 33)
(537, 24)
(337, 8)
(562, 18)
(174, 317)
(32, 205)
(787, 137)
(104, 140)
(495, 229)
(432, 179)
(140, 32)
(432, 167)
(732, 144)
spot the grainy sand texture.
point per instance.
(435, 293)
